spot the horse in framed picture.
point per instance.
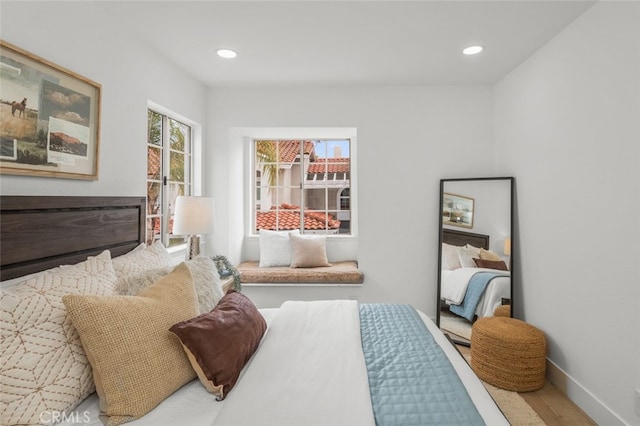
(18, 106)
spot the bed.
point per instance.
(471, 287)
(351, 381)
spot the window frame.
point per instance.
(165, 182)
(254, 187)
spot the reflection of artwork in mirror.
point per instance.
(457, 210)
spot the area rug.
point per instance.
(514, 407)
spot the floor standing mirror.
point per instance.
(475, 253)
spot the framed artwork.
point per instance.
(49, 118)
(457, 210)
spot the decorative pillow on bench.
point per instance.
(290, 248)
(275, 248)
(308, 251)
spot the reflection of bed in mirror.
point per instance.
(479, 257)
(471, 287)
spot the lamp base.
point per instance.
(193, 246)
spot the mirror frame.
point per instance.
(512, 184)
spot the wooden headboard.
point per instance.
(42, 232)
(461, 238)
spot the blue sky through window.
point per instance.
(327, 148)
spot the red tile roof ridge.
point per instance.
(316, 220)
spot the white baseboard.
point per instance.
(584, 399)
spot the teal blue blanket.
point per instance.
(475, 289)
(411, 380)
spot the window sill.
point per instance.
(330, 237)
(299, 285)
(338, 274)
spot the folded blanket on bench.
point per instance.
(345, 272)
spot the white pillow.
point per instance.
(308, 251)
(450, 258)
(139, 260)
(475, 249)
(275, 249)
(466, 255)
(205, 279)
(44, 366)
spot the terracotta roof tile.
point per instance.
(332, 165)
(288, 150)
(287, 217)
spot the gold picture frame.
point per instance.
(49, 118)
(457, 210)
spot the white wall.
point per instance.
(568, 126)
(407, 139)
(84, 38)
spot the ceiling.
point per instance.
(354, 43)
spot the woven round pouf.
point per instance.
(502, 311)
(508, 353)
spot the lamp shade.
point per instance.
(507, 246)
(193, 215)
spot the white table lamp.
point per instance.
(193, 216)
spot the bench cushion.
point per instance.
(345, 272)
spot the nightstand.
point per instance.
(227, 283)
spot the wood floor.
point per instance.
(553, 407)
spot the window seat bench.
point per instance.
(345, 272)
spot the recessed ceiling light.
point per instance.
(472, 50)
(226, 53)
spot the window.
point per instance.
(169, 174)
(302, 184)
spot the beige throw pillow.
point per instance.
(138, 260)
(205, 279)
(136, 361)
(44, 368)
(489, 255)
(308, 251)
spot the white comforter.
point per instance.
(454, 287)
(321, 377)
(293, 381)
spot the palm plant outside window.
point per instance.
(303, 184)
(169, 174)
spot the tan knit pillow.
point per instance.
(136, 361)
(44, 370)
